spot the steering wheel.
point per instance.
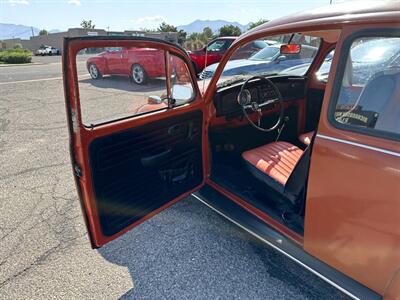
(247, 104)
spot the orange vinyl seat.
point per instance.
(305, 138)
(276, 160)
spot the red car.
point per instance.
(216, 49)
(139, 64)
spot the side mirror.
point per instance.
(182, 92)
(281, 58)
(154, 100)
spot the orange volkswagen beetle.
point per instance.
(309, 162)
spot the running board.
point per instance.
(251, 224)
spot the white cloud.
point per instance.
(14, 2)
(75, 2)
(148, 19)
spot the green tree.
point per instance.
(164, 27)
(43, 32)
(257, 23)
(87, 24)
(229, 30)
(181, 37)
(207, 33)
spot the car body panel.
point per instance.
(120, 62)
(353, 196)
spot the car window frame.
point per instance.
(337, 83)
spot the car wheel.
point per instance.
(139, 75)
(94, 72)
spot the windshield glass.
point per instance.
(268, 60)
(265, 54)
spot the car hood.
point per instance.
(238, 63)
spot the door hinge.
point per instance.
(78, 170)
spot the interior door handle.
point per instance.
(153, 160)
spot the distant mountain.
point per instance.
(215, 25)
(9, 31)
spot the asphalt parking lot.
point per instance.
(187, 251)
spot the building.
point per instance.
(56, 39)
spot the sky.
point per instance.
(124, 14)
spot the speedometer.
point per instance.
(244, 97)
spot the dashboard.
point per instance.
(226, 97)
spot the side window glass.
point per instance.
(117, 82)
(369, 96)
(216, 46)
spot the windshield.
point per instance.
(268, 60)
(267, 53)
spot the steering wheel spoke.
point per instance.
(257, 107)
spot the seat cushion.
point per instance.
(277, 160)
(305, 138)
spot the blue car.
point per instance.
(267, 60)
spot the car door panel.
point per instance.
(128, 169)
(124, 178)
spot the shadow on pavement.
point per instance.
(188, 251)
(125, 84)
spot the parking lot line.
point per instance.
(40, 79)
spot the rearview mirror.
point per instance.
(290, 49)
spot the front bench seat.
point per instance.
(281, 165)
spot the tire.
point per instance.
(94, 72)
(139, 75)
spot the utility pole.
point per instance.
(33, 34)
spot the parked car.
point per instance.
(267, 59)
(47, 50)
(217, 48)
(368, 57)
(140, 64)
(289, 159)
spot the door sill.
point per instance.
(241, 217)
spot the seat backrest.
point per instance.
(298, 178)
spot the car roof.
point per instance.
(335, 16)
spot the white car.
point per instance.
(47, 50)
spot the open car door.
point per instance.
(135, 148)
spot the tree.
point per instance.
(229, 30)
(43, 32)
(164, 27)
(207, 33)
(181, 37)
(87, 24)
(257, 23)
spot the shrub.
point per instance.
(15, 56)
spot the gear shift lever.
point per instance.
(285, 120)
